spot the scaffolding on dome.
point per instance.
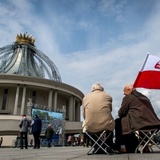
(22, 58)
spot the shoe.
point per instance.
(34, 147)
(146, 150)
(123, 150)
(26, 148)
(21, 148)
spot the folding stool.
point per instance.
(100, 141)
(146, 137)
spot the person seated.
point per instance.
(97, 108)
(136, 112)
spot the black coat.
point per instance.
(49, 132)
(37, 125)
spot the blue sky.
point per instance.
(89, 40)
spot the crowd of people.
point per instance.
(35, 126)
(135, 113)
(78, 140)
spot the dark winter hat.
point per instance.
(36, 116)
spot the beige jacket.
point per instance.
(97, 108)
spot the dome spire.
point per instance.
(25, 39)
(23, 58)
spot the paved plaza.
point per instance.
(68, 153)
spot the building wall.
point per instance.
(20, 88)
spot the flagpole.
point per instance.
(145, 62)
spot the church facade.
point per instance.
(23, 85)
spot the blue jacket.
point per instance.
(37, 125)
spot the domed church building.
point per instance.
(28, 78)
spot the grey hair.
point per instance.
(97, 86)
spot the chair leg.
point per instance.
(145, 139)
(99, 143)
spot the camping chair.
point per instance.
(99, 141)
(147, 139)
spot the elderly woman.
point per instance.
(136, 113)
(97, 108)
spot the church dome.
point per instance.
(23, 58)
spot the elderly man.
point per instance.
(136, 113)
(97, 108)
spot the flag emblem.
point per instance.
(157, 66)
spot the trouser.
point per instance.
(86, 139)
(36, 136)
(23, 135)
(119, 138)
(129, 140)
(49, 141)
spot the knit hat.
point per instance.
(97, 86)
(36, 116)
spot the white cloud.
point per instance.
(112, 8)
(113, 61)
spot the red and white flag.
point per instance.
(149, 76)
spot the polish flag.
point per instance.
(149, 76)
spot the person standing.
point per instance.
(36, 131)
(49, 133)
(69, 140)
(1, 140)
(24, 125)
(97, 108)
